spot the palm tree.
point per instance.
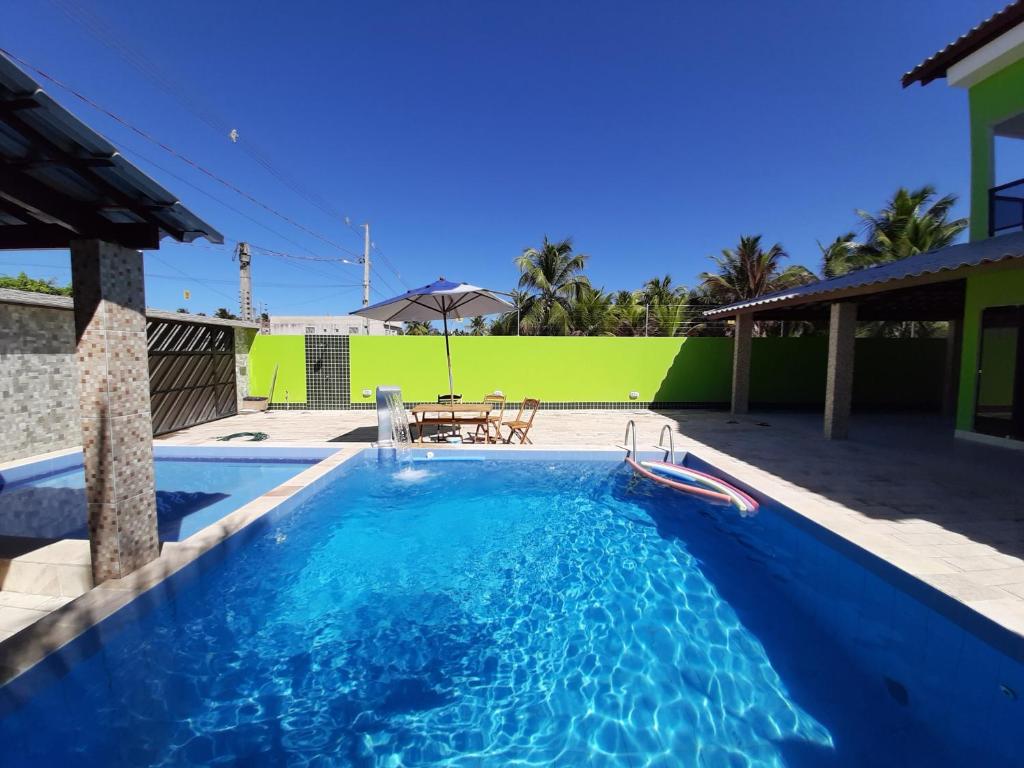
(910, 223)
(552, 277)
(630, 314)
(749, 271)
(507, 324)
(592, 313)
(477, 326)
(419, 328)
(837, 256)
(670, 319)
(659, 290)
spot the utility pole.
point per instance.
(245, 281)
(366, 271)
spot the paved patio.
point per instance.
(945, 510)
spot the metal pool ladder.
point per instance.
(670, 453)
(627, 446)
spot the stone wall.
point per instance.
(39, 392)
(38, 381)
(243, 343)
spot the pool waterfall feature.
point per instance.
(393, 436)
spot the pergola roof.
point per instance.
(936, 65)
(928, 286)
(62, 181)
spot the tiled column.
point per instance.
(842, 326)
(951, 386)
(117, 430)
(741, 343)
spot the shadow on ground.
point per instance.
(894, 466)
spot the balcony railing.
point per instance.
(1006, 208)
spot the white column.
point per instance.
(842, 326)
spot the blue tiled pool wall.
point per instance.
(962, 673)
(195, 487)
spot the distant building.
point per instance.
(328, 325)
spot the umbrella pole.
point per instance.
(448, 354)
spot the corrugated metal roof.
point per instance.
(888, 276)
(936, 65)
(63, 181)
(32, 299)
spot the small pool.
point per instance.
(193, 489)
(552, 610)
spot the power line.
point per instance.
(113, 40)
(110, 38)
(173, 152)
(213, 197)
(190, 277)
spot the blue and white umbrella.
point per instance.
(438, 301)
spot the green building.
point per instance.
(978, 287)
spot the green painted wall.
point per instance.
(289, 354)
(569, 369)
(992, 100)
(785, 371)
(697, 370)
(993, 289)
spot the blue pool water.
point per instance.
(191, 493)
(526, 613)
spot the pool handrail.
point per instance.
(670, 454)
(630, 426)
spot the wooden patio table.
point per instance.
(419, 413)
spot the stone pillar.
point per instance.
(951, 385)
(741, 335)
(741, 344)
(842, 327)
(117, 429)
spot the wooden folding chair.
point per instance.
(491, 419)
(520, 425)
(450, 426)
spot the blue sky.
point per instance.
(653, 133)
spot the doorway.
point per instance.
(999, 408)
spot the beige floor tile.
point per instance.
(15, 619)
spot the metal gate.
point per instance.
(191, 373)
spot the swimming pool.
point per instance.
(548, 610)
(194, 488)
